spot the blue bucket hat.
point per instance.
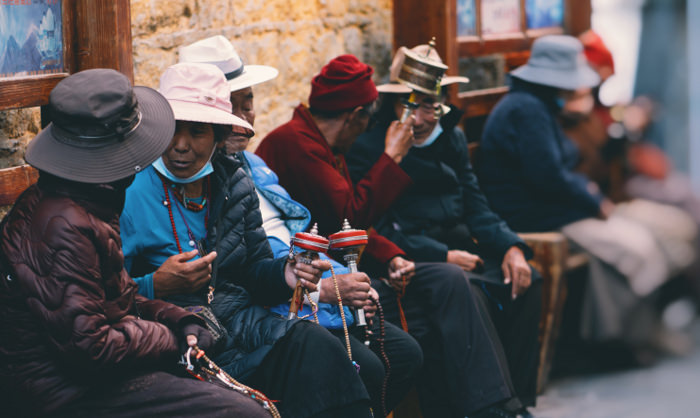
(558, 61)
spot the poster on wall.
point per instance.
(466, 18)
(500, 16)
(31, 38)
(544, 13)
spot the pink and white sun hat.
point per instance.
(199, 93)
(219, 51)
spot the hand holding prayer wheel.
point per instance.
(308, 246)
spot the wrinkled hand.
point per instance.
(371, 307)
(354, 289)
(307, 274)
(400, 272)
(181, 274)
(516, 270)
(195, 334)
(399, 139)
(466, 260)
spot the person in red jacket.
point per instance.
(76, 337)
(463, 373)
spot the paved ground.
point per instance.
(670, 388)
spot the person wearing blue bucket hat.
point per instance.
(527, 169)
(526, 163)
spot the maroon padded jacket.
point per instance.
(70, 316)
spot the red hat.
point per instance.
(344, 83)
(596, 51)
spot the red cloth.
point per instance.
(597, 53)
(344, 83)
(318, 179)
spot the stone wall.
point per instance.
(295, 36)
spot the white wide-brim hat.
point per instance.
(218, 51)
(558, 61)
(199, 93)
(394, 86)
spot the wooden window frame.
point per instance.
(96, 34)
(414, 25)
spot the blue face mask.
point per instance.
(160, 167)
(560, 101)
(432, 137)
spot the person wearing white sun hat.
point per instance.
(192, 235)
(217, 50)
(283, 217)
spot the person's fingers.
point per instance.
(308, 285)
(322, 265)
(507, 273)
(191, 340)
(189, 255)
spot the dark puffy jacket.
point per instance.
(70, 316)
(244, 266)
(444, 208)
(244, 273)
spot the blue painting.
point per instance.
(31, 38)
(466, 18)
(544, 13)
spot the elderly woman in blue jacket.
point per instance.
(282, 217)
(195, 200)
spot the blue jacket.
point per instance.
(297, 219)
(526, 163)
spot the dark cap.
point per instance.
(102, 129)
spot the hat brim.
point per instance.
(198, 112)
(582, 76)
(398, 88)
(252, 75)
(113, 161)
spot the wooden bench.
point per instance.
(13, 181)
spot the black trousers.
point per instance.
(461, 371)
(514, 328)
(309, 372)
(161, 394)
(404, 356)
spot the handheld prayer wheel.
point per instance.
(420, 73)
(307, 245)
(350, 242)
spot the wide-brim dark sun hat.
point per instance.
(102, 129)
(558, 61)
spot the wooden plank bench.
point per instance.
(13, 181)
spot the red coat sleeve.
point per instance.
(320, 181)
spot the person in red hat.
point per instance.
(462, 374)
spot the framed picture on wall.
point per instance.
(35, 49)
(44, 41)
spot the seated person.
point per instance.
(443, 217)
(195, 197)
(527, 172)
(462, 373)
(77, 338)
(282, 217)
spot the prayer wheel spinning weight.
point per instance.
(307, 245)
(351, 242)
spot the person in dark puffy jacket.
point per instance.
(194, 197)
(76, 339)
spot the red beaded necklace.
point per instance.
(195, 207)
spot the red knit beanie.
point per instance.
(344, 83)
